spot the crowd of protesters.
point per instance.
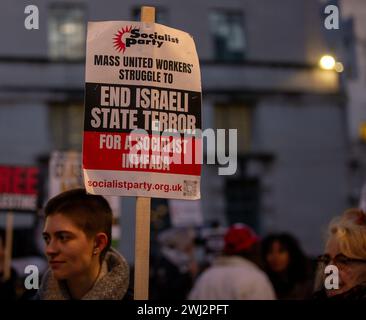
(275, 267)
(231, 263)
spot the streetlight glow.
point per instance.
(327, 62)
(339, 67)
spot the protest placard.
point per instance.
(142, 123)
(18, 192)
(146, 78)
(185, 213)
(18, 188)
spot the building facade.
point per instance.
(259, 76)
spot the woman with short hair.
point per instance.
(83, 266)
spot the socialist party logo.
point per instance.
(129, 36)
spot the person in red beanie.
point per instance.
(234, 275)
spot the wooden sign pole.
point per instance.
(143, 208)
(8, 246)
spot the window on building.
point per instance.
(349, 57)
(233, 116)
(67, 31)
(161, 15)
(228, 35)
(66, 126)
(243, 201)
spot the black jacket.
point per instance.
(356, 293)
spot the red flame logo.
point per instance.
(119, 44)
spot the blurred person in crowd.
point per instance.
(213, 241)
(287, 267)
(175, 267)
(235, 275)
(77, 235)
(346, 249)
(7, 286)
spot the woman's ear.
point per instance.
(101, 241)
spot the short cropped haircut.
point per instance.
(90, 213)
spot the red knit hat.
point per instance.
(238, 238)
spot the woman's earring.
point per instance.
(95, 251)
